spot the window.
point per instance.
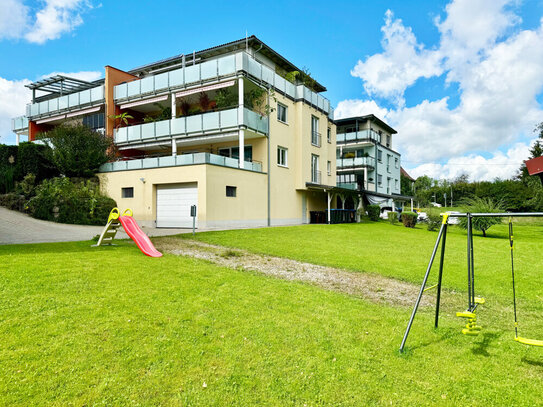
(379, 179)
(389, 158)
(397, 163)
(281, 113)
(315, 173)
(231, 191)
(329, 135)
(388, 140)
(127, 192)
(396, 184)
(329, 167)
(233, 152)
(282, 156)
(315, 135)
(94, 121)
(379, 156)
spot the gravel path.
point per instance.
(373, 287)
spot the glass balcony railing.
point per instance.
(348, 185)
(67, 102)
(355, 162)
(214, 70)
(179, 160)
(352, 137)
(189, 125)
(19, 123)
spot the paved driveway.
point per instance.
(16, 227)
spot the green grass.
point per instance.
(109, 326)
(403, 253)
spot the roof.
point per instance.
(405, 174)
(370, 117)
(251, 42)
(534, 166)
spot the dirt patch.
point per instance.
(373, 287)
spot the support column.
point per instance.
(411, 204)
(241, 159)
(328, 213)
(174, 148)
(365, 178)
(17, 138)
(174, 106)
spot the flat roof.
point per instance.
(370, 117)
(217, 50)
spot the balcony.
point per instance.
(19, 123)
(73, 101)
(179, 160)
(348, 185)
(355, 163)
(358, 137)
(188, 126)
(213, 71)
(315, 139)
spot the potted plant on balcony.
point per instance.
(122, 117)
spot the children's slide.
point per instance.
(142, 240)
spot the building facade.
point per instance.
(236, 130)
(366, 160)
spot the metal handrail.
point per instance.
(316, 138)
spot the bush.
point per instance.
(434, 219)
(13, 201)
(373, 212)
(8, 160)
(35, 159)
(393, 217)
(70, 201)
(27, 186)
(481, 205)
(77, 150)
(409, 219)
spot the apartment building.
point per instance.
(237, 130)
(366, 160)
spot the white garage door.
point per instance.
(173, 202)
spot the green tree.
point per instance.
(481, 205)
(77, 150)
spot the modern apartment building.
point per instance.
(366, 161)
(237, 130)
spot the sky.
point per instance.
(460, 80)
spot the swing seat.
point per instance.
(466, 314)
(480, 301)
(531, 342)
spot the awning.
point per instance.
(205, 89)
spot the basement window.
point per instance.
(127, 192)
(231, 191)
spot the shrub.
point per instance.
(393, 217)
(481, 205)
(35, 159)
(70, 201)
(77, 150)
(27, 186)
(13, 201)
(8, 160)
(434, 219)
(409, 219)
(373, 212)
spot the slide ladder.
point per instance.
(110, 230)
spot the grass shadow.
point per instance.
(481, 348)
(532, 362)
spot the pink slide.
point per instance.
(142, 240)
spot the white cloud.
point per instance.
(498, 72)
(403, 61)
(13, 19)
(13, 99)
(354, 107)
(55, 18)
(88, 76)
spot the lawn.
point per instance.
(109, 326)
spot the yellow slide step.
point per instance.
(480, 301)
(532, 342)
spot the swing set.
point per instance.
(469, 314)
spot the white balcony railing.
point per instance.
(179, 160)
(214, 70)
(66, 102)
(362, 135)
(355, 162)
(19, 123)
(188, 125)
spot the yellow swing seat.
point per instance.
(531, 342)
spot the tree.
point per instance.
(481, 205)
(77, 150)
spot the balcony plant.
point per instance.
(122, 117)
(204, 102)
(225, 98)
(184, 107)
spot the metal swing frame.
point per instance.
(473, 301)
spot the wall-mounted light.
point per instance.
(142, 180)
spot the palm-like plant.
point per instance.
(481, 205)
(122, 117)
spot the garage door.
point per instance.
(173, 202)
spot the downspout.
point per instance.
(269, 165)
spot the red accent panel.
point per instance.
(535, 165)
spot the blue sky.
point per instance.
(395, 40)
